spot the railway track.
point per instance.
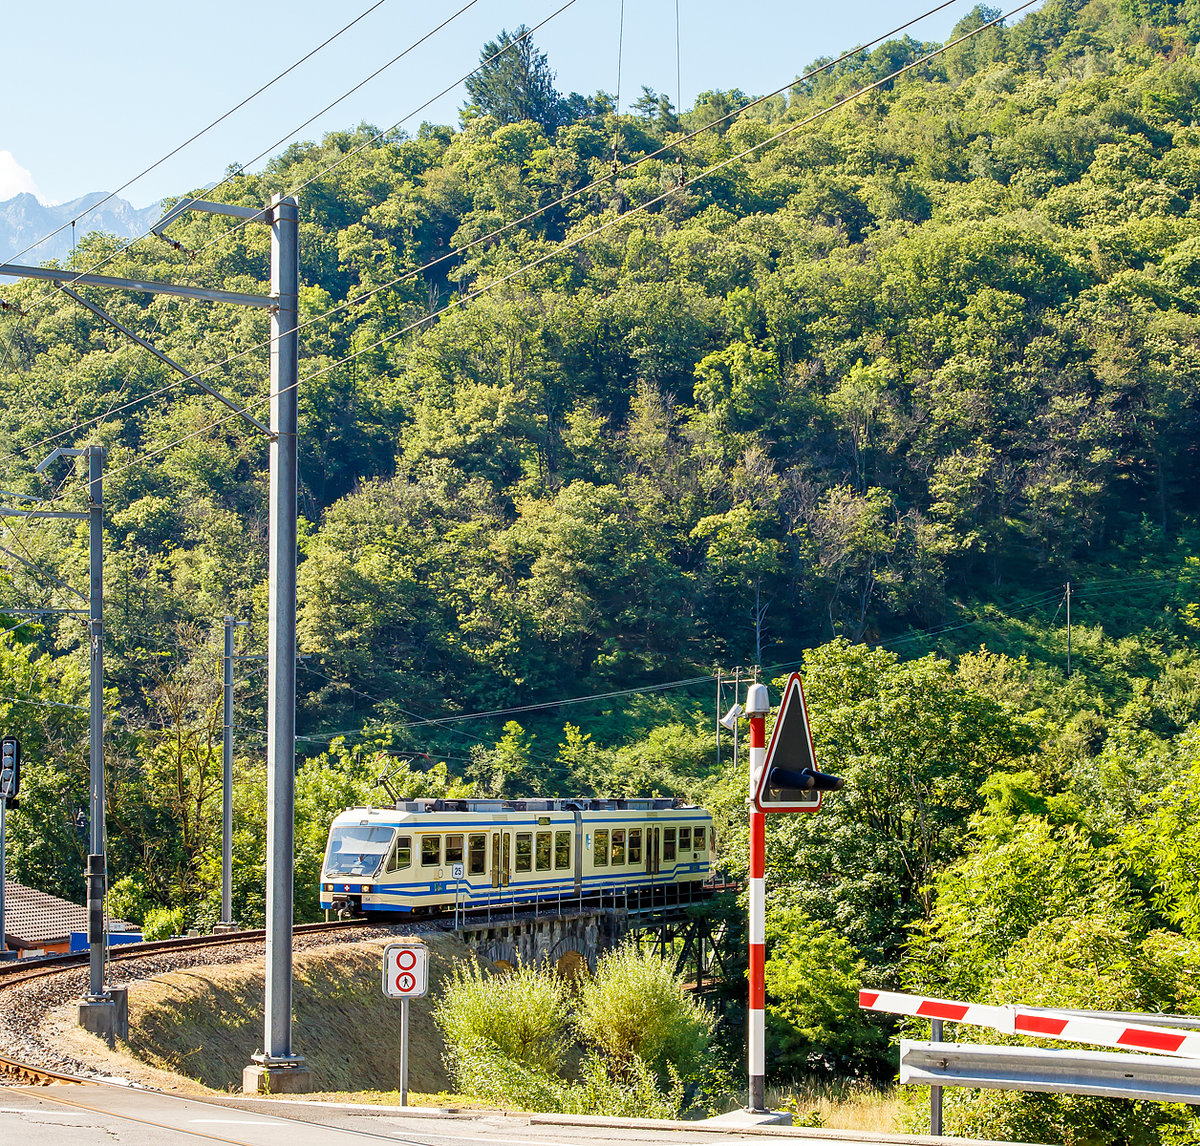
(25, 972)
(12, 974)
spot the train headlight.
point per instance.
(368, 887)
(326, 887)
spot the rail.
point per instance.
(27, 970)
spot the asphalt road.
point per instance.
(64, 1115)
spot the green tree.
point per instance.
(514, 82)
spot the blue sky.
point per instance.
(96, 93)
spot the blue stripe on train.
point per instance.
(524, 890)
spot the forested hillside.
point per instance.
(580, 423)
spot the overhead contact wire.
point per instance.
(492, 235)
(203, 131)
(570, 244)
(137, 239)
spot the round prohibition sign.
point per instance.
(406, 961)
(405, 982)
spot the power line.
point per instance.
(43, 703)
(137, 239)
(203, 131)
(407, 712)
(387, 130)
(570, 244)
(483, 239)
(515, 710)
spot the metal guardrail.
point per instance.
(1104, 1073)
(1173, 1076)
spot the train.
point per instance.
(426, 856)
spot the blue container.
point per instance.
(79, 939)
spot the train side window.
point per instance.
(401, 854)
(600, 850)
(431, 851)
(668, 843)
(454, 849)
(542, 854)
(685, 839)
(524, 851)
(618, 846)
(477, 855)
(635, 845)
(562, 849)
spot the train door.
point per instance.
(652, 845)
(501, 861)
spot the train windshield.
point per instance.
(357, 849)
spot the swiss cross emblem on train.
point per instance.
(789, 754)
(405, 970)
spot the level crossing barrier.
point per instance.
(1170, 1075)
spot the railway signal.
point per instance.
(10, 770)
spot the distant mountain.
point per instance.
(23, 220)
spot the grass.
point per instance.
(205, 1023)
(844, 1104)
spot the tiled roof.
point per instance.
(32, 917)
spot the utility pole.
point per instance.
(10, 773)
(227, 923)
(757, 706)
(101, 1011)
(5, 954)
(1068, 630)
(718, 717)
(276, 1068)
(97, 857)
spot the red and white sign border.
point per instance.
(405, 970)
(763, 769)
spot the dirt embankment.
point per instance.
(204, 1023)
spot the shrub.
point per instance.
(637, 1010)
(522, 1014)
(485, 1073)
(813, 978)
(163, 922)
(127, 900)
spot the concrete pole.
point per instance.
(281, 636)
(227, 782)
(757, 705)
(96, 860)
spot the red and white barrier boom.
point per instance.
(1013, 1019)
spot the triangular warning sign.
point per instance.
(790, 751)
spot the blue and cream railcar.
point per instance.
(427, 855)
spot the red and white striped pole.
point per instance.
(757, 705)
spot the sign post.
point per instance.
(757, 705)
(783, 778)
(405, 976)
(458, 871)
